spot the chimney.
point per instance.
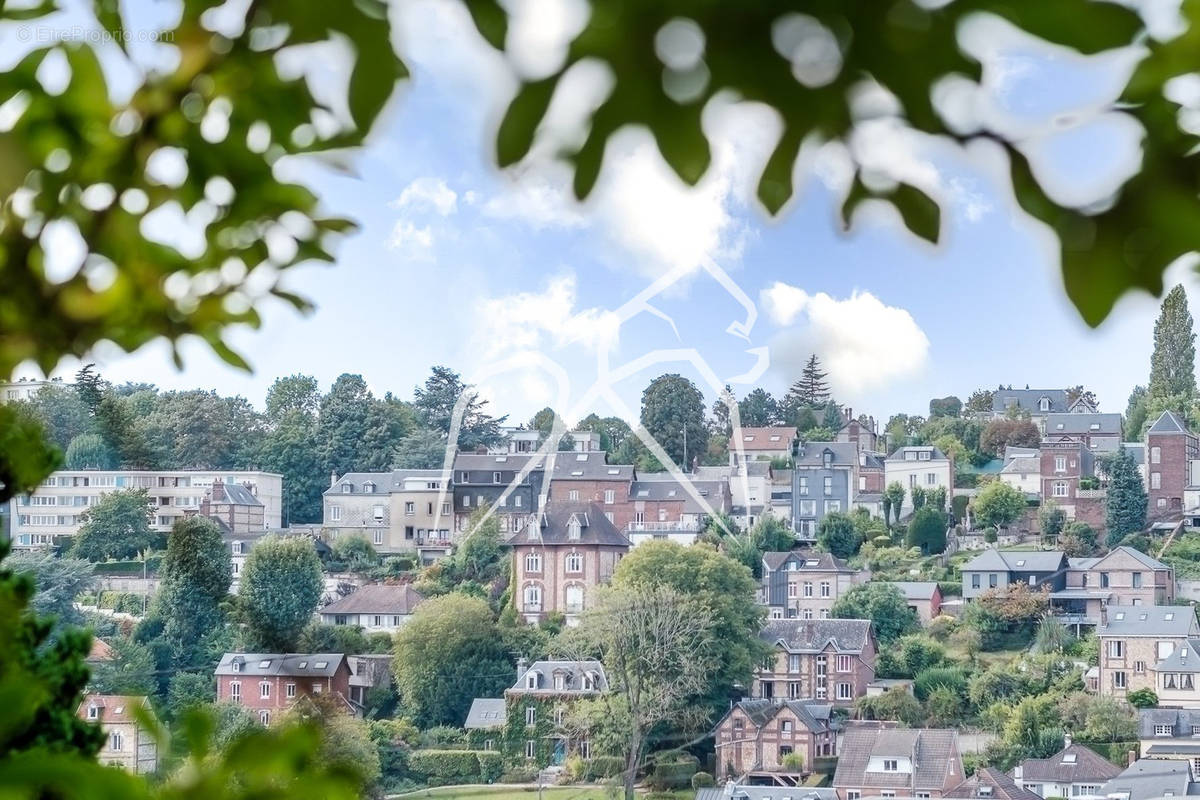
(332, 478)
(218, 490)
(1103, 614)
(1131, 758)
(1066, 740)
(522, 668)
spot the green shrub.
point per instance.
(519, 775)
(702, 780)
(952, 677)
(491, 765)
(673, 774)
(600, 767)
(446, 767)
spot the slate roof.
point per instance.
(591, 466)
(1028, 399)
(812, 635)
(1185, 658)
(574, 672)
(934, 453)
(1073, 764)
(501, 462)
(1168, 422)
(825, 562)
(553, 526)
(237, 494)
(1023, 465)
(993, 560)
(357, 480)
(916, 590)
(812, 454)
(1181, 721)
(1149, 778)
(1078, 424)
(746, 792)
(377, 598)
(288, 664)
(1149, 621)
(931, 746)
(1011, 452)
(813, 713)
(112, 707)
(753, 439)
(486, 713)
(1002, 786)
(1145, 560)
(662, 487)
(871, 461)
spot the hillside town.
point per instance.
(997, 599)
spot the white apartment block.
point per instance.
(55, 507)
(12, 391)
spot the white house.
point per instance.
(376, 608)
(924, 466)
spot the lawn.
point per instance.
(524, 793)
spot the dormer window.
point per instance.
(891, 765)
(581, 457)
(531, 679)
(923, 455)
(828, 457)
(560, 681)
(93, 711)
(347, 488)
(573, 528)
(236, 665)
(589, 681)
(1044, 404)
(368, 488)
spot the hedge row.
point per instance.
(447, 767)
(131, 569)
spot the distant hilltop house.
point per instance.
(128, 743)
(270, 683)
(800, 584)
(25, 389)
(923, 466)
(529, 721)
(1037, 403)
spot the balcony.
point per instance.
(677, 526)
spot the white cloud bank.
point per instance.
(862, 343)
(428, 194)
(534, 320)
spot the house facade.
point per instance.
(1169, 733)
(1100, 433)
(587, 477)
(1064, 464)
(828, 660)
(1123, 576)
(1170, 450)
(1133, 639)
(400, 511)
(894, 762)
(537, 705)
(56, 507)
(270, 683)
(924, 466)
(234, 507)
(376, 608)
(762, 739)
(481, 481)
(824, 480)
(561, 556)
(800, 584)
(1177, 677)
(923, 597)
(127, 744)
(993, 569)
(661, 507)
(761, 443)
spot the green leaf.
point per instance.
(524, 114)
(108, 13)
(376, 71)
(490, 19)
(921, 214)
(775, 185)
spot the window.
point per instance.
(289, 690)
(533, 562)
(992, 580)
(975, 581)
(808, 589)
(833, 505)
(853, 794)
(786, 726)
(828, 485)
(573, 495)
(347, 488)
(559, 715)
(574, 597)
(1103, 580)
(116, 741)
(497, 477)
(793, 662)
(610, 496)
(1059, 489)
(891, 765)
(808, 508)
(530, 748)
(1155, 480)
(235, 692)
(335, 513)
(1137, 580)
(317, 688)
(264, 717)
(378, 537)
(264, 691)
(93, 712)
(792, 590)
(574, 562)
(825, 589)
(533, 598)
(1116, 649)
(844, 663)
(410, 507)
(530, 715)
(845, 691)
(1060, 463)
(1163, 730)
(1139, 667)
(912, 480)
(1155, 455)
(1118, 680)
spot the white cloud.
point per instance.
(533, 320)
(863, 343)
(415, 244)
(431, 193)
(538, 198)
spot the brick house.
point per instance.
(127, 744)
(1100, 433)
(1133, 639)
(862, 431)
(825, 659)
(234, 507)
(800, 584)
(481, 481)
(560, 556)
(755, 736)
(1063, 465)
(269, 683)
(871, 483)
(1170, 449)
(661, 507)
(589, 478)
(923, 597)
(893, 762)
(761, 443)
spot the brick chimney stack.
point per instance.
(218, 490)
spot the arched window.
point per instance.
(574, 562)
(533, 562)
(533, 597)
(575, 597)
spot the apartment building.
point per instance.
(1100, 433)
(511, 483)
(661, 507)
(821, 659)
(587, 477)
(399, 511)
(56, 507)
(1134, 639)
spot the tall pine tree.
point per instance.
(810, 391)
(1173, 364)
(1126, 500)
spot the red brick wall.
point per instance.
(1175, 451)
(589, 491)
(252, 698)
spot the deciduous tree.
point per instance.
(999, 505)
(883, 604)
(117, 527)
(673, 415)
(1173, 363)
(837, 534)
(281, 584)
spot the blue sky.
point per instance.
(459, 264)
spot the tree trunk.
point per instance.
(631, 763)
